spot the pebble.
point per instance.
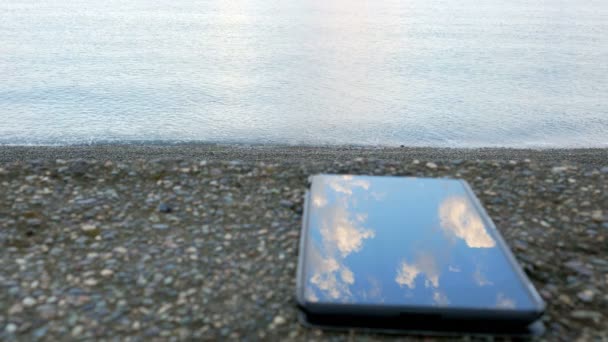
(40, 332)
(559, 169)
(29, 301)
(34, 222)
(106, 272)
(431, 165)
(565, 299)
(587, 314)
(88, 227)
(10, 328)
(164, 208)
(77, 330)
(47, 311)
(120, 250)
(597, 216)
(278, 320)
(579, 267)
(90, 282)
(286, 204)
(160, 226)
(586, 295)
(87, 202)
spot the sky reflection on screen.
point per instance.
(404, 241)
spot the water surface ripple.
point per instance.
(419, 73)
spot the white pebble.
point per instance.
(11, 328)
(77, 330)
(88, 227)
(90, 282)
(106, 272)
(29, 301)
(278, 320)
(120, 250)
(559, 169)
(597, 215)
(586, 296)
(431, 165)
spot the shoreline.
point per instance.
(294, 154)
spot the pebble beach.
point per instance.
(199, 242)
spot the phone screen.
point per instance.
(405, 241)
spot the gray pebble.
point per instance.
(286, 204)
(579, 267)
(87, 202)
(164, 208)
(34, 222)
(587, 314)
(40, 332)
(47, 311)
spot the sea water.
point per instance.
(514, 73)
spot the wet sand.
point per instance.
(293, 154)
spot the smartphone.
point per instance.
(403, 253)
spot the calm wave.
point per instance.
(390, 72)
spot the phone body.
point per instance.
(404, 253)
